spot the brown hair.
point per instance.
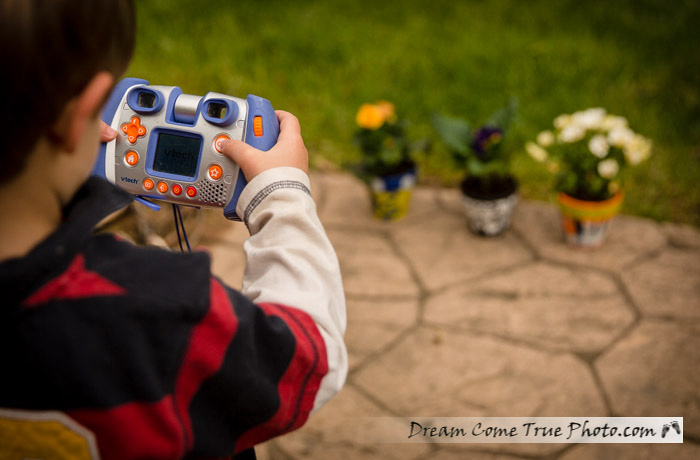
(49, 51)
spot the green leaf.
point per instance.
(504, 117)
(455, 132)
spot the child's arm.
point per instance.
(289, 258)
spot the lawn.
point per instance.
(322, 59)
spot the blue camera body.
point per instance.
(168, 145)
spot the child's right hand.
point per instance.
(288, 151)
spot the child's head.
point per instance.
(51, 50)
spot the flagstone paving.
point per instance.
(444, 323)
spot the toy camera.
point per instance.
(168, 145)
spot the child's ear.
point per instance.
(81, 111)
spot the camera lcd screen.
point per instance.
(177, 154)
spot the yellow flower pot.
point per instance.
(391, 194)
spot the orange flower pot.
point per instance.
(586, 223)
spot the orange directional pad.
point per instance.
(133, 129)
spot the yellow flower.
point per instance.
(388, 109)
(371, 116)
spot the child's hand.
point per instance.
(106, 132)
(289, 150)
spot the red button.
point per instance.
(133, 129)
(177, 189)
(131, 158)
(191, 191)
(215, 172)
(148, 184)
(162, 187)
(220, 139)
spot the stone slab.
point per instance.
(374, 324)
(654, 372)
(443, 251)
(346, 203)
(335, 433)
(369, 265)
(436, 373)
(682, 236)
(552, 306)
(667, 285)
(628, 238)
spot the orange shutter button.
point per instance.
(220, 139)
(162, 187)
(131, 158)
(148, 184)
(215, 172)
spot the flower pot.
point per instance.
(489, 210)
(586, 223)
(391, 194)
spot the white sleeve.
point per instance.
(290, 261)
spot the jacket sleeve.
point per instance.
(290, 261)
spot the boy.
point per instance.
(121, 352)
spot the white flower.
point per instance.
(545, 138)
(608, 168)
(589, 118)
(562, 121)
(613, 122)
(620, 137)
(637, 149)
(536, 152)
(572, 133)
(599, 146)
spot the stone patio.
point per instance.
(445, 323)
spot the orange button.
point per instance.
(191, 191)
(133, 129)
(162, 187)
(220, 140)
(215, 172)
(177, 189)
(131, 158)
(148, 184)
(257, 126)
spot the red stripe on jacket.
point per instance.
(163, 430)
(299, 384)
(205, 355)
(135, 430)
(74, 283)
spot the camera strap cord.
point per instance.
(177, 216)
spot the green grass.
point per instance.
(322, 59)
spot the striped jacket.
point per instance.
(136, 352)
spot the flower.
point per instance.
(484, 139)
(611, 122)
(589, 118)
(637, 149)
(545, 138)
(588, 151)
(572, 133)
(387, 108)
(598, 145)
(536, 152)
(371, 116)
(608, 168)
(620, 136)
(562, 121)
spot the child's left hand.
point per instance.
(106, 132)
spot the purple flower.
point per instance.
(484, 139)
